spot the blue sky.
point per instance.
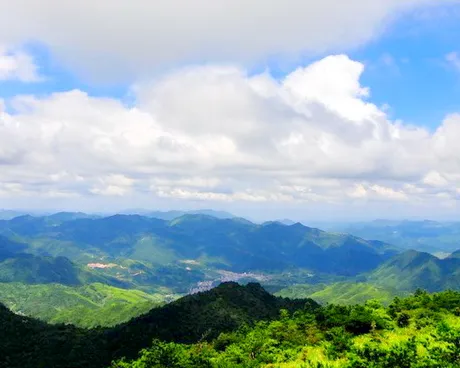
(216, 108)
(416, 81)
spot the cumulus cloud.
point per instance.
(17, 65)
(215, 133)
(138, 36)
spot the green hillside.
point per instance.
(85, 306)
(25, 342)
(345, 293)
(31, 269)
(9, 248)
(411, 270)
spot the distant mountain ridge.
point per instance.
(173, 214)
(426, 236)
(10, 214)
(233, 244)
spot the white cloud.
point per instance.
(109, 38)
(453, 58)
(17, 65)
(216, 134)
(435, 179)
(113, 185)
(335, 83)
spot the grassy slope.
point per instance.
(85, 306)
(340, 293)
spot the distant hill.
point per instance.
(412, 269)
(455, 255)
(32, 269)
(286, 222)
(171, 215)
(9, 214)
(61, 217)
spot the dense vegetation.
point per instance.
(236, 326)
(84, 306)
(25, 342)
(419, 331)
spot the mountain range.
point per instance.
(233, 244)
(64, 254)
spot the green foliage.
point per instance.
(350, 337)
(403, 319)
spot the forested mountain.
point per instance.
(25, 342)
(232, 244)
(166, 259)
(221, 329)
(9, 248)
(33, 269)
(411, 270)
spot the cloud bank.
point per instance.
(215, 133)
(140, 37)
